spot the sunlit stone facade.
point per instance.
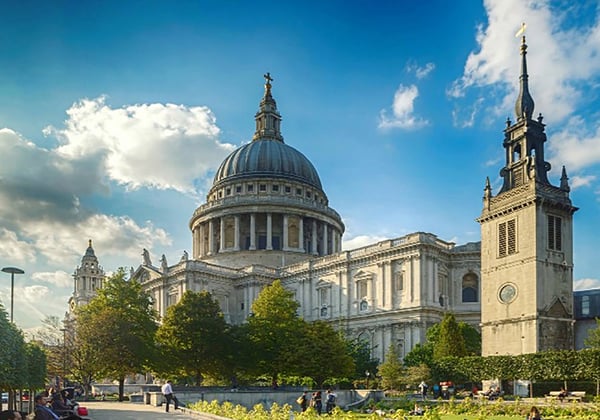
(267, 217)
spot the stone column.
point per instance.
(325, 239)
(201, 232)
(222, 234)
(236, 237)
(211, 237)
(252, 231)
(301, 233)
(333, 240)
(314, 238)
(269, 232)
(285, 232)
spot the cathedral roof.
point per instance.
(267, 155)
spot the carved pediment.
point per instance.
(557, 310)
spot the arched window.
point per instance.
(470, 288)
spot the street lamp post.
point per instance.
(64, 357)
(12, 271)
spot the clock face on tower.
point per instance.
(507, 293)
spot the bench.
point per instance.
(571, 396)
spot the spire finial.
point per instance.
(564, 180)
(268, 120)
(524, 105)
(268, 80)
(90, 243)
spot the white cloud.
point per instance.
(584, 284)
(360, 241)
(57, 278)
(576, 145)
(420, 72)
(582, 181)
(402, 110)
(146, 145)
(14, 250)
(560, 59)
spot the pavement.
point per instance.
(105, 410)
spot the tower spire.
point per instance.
(268, 119)
(524, 105)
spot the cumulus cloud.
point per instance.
(146, 145)
(572, 54)
(57, 278)
(576, 145)
(15, 250)
(584, 284)
(360, 241)
(402, 110)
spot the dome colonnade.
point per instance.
(266, 196)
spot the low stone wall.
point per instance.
(249, 399)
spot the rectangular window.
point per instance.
(250, 188)
(275, 188)
(298, 191)
(507, 238)
(228, 191)
(555, 233)
(263, 187)
(361, 287)
(288, 189)
(238, 189)
(585, 305)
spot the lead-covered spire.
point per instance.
(524, 105)
(268, 119)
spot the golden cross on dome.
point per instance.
(268, 78)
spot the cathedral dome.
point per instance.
(267, 158)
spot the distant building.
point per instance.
(586, 304)
(87, 279)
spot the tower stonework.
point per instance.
(87, 279)
(526, 244)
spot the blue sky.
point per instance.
(115, 115)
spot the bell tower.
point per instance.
(526, 244)
(88, 278)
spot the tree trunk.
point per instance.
(121, 388)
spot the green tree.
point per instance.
(192, 336)
(360, 351)
(321, 353)
(420, 354)
(13, 364)
(119, 325)
(391, 371)
(450, 341)
(593, 338)
(274, 330)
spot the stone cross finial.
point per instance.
(268, 78)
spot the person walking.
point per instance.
(167, 391)
(330, 401)
(317, 400)
(303, 401)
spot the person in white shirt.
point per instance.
(167, 391)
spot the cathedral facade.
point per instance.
(268, 217)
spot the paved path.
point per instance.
(108, 410)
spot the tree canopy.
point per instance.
(192, 337)
(118, 326)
